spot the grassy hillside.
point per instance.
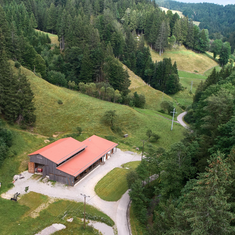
(153, 97)
(186, 60)
(84, 111)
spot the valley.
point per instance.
(118, 70)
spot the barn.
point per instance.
(68, 160)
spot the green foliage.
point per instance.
(131, 177)
(57, 78)
(166, 77)
(109, 117)
(60, 102)
(17, 64)
(79, 130)
(139, 100)
(16, 98)
(167, 106)
(208, 198)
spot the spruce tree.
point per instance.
(25, 115)
(206, 206)
(86, 67)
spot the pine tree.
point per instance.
(162, 41)
(52, 18)
(25, 112)
(4, 28)
(86, 67)
(190, 36)
(206, 207)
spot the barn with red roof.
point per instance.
(68, 160)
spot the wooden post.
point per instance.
(85, 196)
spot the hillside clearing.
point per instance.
(153, 97)
(186, 60)
(179, 13)
(53, 37)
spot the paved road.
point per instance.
(115, 210)
(180, 119)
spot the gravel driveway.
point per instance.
(115, 210)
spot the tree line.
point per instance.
(217, 19)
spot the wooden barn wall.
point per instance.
(50, 170)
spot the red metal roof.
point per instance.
(96, 148)
(61, 149)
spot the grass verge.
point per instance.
(136, 227)
(113, 185)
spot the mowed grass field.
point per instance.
(186, 60)
(16, 217)
(85, 111)
(113, 185)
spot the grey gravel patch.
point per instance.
(51, 229)
(102, 227)
(129, 152)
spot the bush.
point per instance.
(60, 102)
(131, 177)
(167, 106)
(154, 137)
(79, 130)
(117, 129)
(17, 64)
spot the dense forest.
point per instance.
(94, 36)
(219, 20)
(193, 192)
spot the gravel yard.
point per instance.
(115, 210)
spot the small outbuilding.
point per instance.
(68, 160)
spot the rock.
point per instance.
(70, 220)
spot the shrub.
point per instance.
(17, 64)
(154, 137)
(60, 102)
(117, 129)
(167, 106)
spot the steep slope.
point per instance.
(186, 60)
(84, 111)
(153, 97)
